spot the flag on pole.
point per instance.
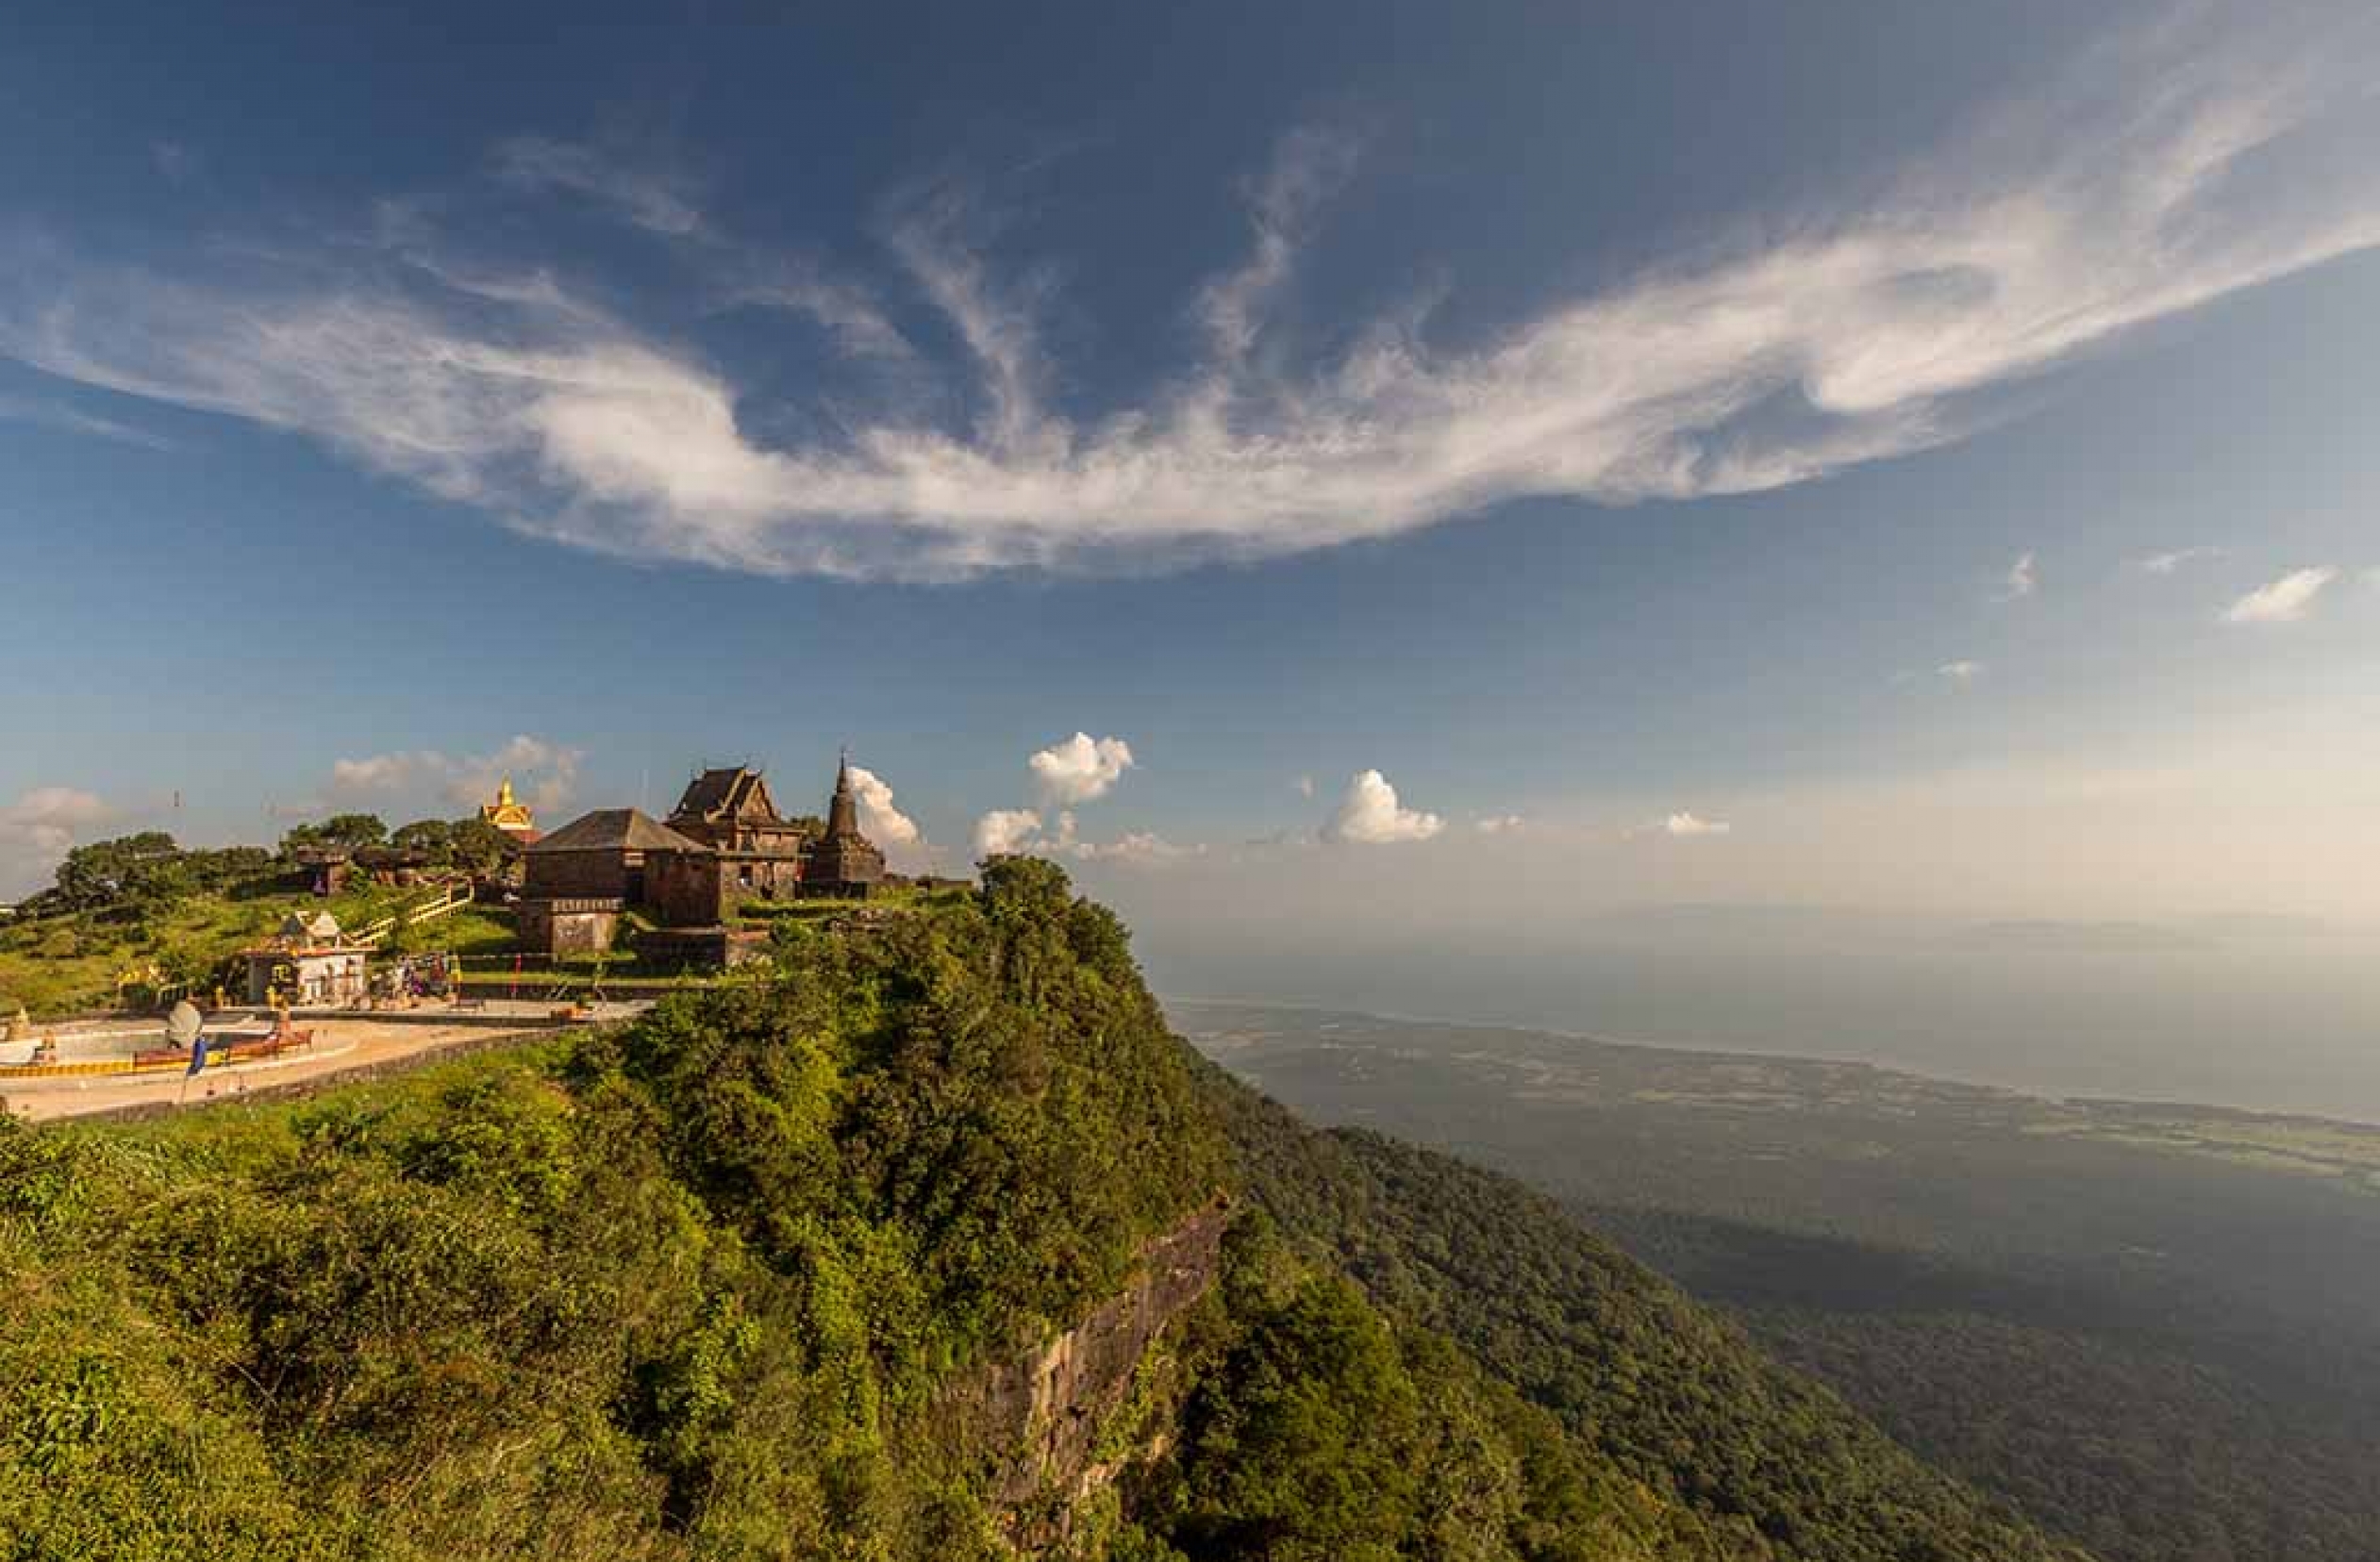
(197, 1054)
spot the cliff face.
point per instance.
(1047, 1409)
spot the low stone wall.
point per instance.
(570, 927)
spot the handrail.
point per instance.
(453, 898)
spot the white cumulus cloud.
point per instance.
(904, 843)
(49, 818)
(1006, 830)
(2283, 601)
(1961, 673)
(1081, 769)
(1690, 824)
(1370, 814)
(2022, 579)
(1136, 848)
(40, 827)
(544, 773)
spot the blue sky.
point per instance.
(1818, 454)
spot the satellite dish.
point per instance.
(182, 1025)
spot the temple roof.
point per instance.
(507, 812)
(736, 792)
(615, 829)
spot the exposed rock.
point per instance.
(1046, 1408)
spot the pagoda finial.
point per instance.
(504, 793)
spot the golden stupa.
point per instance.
(508, 813)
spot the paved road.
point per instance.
(341, 1043)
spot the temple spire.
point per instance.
(842, 814)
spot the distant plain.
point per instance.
(2146, 1324)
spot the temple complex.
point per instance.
(725, 843)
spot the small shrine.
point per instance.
(309, 963)
(510, 814)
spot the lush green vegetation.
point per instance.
(2147, 1326)
(682, 1290)
(1316, 1427)
(1664, 1391)
(728, 1283)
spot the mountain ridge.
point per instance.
(768, 1273)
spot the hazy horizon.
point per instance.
(2256, 1018)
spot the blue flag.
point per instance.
(197, 1054)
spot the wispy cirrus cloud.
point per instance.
(2022, 579)
(2172, 562)
(178, 162)
(65, 419)
(2283, 601)
(648, 198)
(1307, 169)
(2163, 174)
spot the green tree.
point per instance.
(478, 846)
(433, 837)
(140, 868)
(349, 831)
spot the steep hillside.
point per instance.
(695, 1288)
(921, 1244)
(2148, 1327)
(1663, 1388)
